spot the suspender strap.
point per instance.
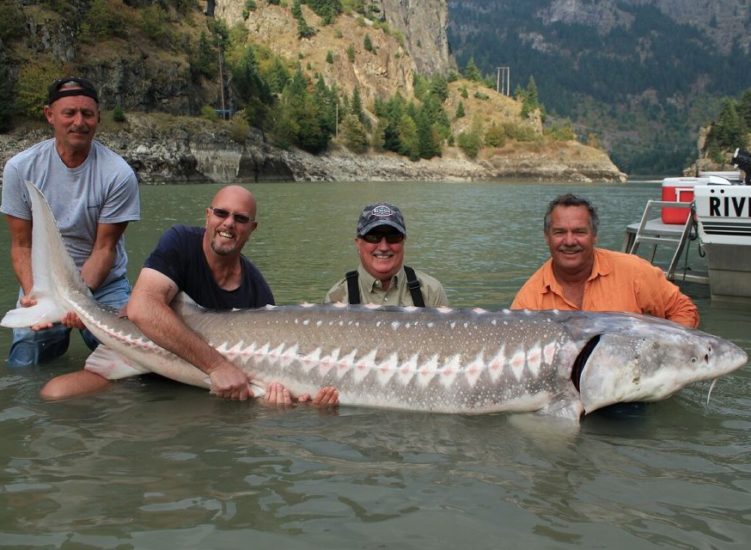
(414, 287)
(353, 289)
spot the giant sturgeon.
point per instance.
(439, 360)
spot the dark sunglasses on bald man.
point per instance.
(374, 237)
(224, 214)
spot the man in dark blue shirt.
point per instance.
(207, 264)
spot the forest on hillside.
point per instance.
(286, 100)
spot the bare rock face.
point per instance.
(424, 24)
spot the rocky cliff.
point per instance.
(424, 24)
(166, 149)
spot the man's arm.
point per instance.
(662, 298)
(680, 309)
(99, 264)
(149, 308)
(20, 253)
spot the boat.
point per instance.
(711, 213)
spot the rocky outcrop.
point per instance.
(424, 24)
(164, 149)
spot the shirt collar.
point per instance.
(601, 268)
(371, 283)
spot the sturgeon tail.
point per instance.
(55, 274)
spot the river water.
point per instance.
(153, 464)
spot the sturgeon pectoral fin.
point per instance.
(45, 311)
(111, 365)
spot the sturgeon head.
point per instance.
(631, 357)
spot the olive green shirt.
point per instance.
(371, 291)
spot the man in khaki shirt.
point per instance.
(381, 278)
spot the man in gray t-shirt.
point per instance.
(92, 192)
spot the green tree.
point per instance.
(460, 110)
(439, 87)
(428, 135)
(203, 62)
(31, 88)
(329, 57)
(276, 75)
(408, 139)
(326, 98)
(530, 98)
(495, 136)
(367, 43)
(102, 21)
(246, 79)
(356, 108)
(301, 118)
(303, 29)
(728, 131)
(11, 17)
(351, 53)
(472, 72)
(326, 9)
(118, 115)
(471, 141)
(154, 24)
(354, 135)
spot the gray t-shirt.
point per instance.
(104, 189)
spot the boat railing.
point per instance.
(651, 231)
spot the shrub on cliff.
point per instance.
(118, 115)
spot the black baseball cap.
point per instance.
(85, 87)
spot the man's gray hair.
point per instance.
(569, 199)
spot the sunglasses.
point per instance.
(375, 238)
(224, 214)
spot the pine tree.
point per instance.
(471, 71)
(460, 110)
(728, 132)
(354, 135)
(408, 138)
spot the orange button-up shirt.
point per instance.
(619, 282)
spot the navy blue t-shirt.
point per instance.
(179, 256)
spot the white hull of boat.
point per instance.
(723, 214)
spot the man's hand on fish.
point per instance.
(327, 396)
(278, 395)
(230, 382)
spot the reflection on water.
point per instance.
(151, 463)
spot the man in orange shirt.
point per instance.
(579, 276)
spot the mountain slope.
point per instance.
(642, 74)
